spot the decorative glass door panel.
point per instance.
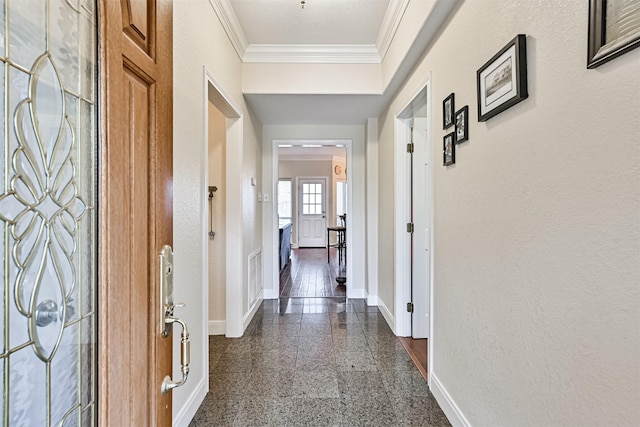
(47, 212)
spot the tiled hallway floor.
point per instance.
(315, 362)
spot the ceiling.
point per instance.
(321, 22)
(325, 31)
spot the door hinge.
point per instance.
(410, 307)
(410, 147)
(410, 227)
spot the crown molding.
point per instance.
(390, 24)
(311, 54)
(231, 25)
(300, 53)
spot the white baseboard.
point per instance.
(387, 314)
(372, 300)
(355, 293)
(449, 407)
(184, 415)
(252, 311)
(271, 294)
(217, 327)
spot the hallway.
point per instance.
(315, 361)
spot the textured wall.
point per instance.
(537, 225)
(217, 254)
(194, 22)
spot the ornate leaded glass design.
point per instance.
(47, 212)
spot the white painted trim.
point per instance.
(372, 300)
(349, 237)
(188, 411)
(217, 327)
(234, 277)
(358, 294)
(401, 262)
(386, 314)
(449, 407)
(271, 294)
(390, 24)
(402, 238)
(231, 25)
(431, 145)
(312, 54)
(295, 53)
(252, 311)
(233, 203)
(371, 208)
(274, 292)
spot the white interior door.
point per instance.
(421, 236)
(312, 212)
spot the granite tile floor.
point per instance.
(315, 362)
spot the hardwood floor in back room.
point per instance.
(308, 275)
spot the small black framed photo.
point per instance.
(449, 149)
(462, 124)
(448, 107)
(614, 28)
(502, 81)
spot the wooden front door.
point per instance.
(135, 208)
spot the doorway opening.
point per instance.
(414, 225)
(312, 204)
(223, 299)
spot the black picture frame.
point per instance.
(601, 50)
(448, 109)
(449, 149)
(502, 81)
(462, 124)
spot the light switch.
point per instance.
(265, 197)
(259, 196)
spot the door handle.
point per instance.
(167, 319)
(185, 355)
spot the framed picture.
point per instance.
(462, 124)
(614, 28)
(502, 81)
(449, 149)
(448, 107)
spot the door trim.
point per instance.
(232, 194)
(273, 293)
(402, 130)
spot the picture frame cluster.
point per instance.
(501, 84)
(460, 121)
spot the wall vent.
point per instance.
(255, 276)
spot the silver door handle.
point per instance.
(167, 319)
(185, 353)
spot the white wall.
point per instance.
(217, 133)
(194, 23)
(356, 168)
(312, 78)
(537, 226)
